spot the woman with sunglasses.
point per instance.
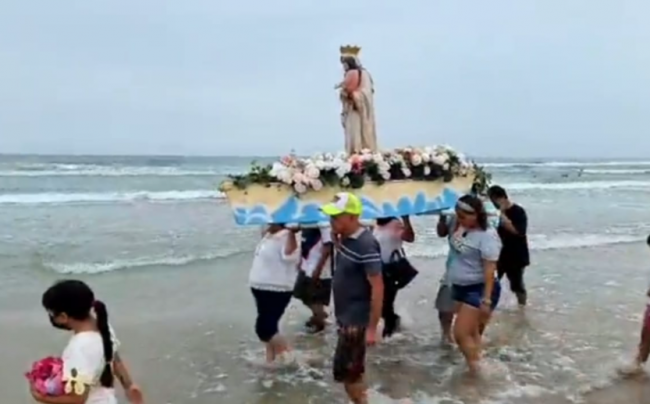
(473, 254)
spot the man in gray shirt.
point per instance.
(358, 292)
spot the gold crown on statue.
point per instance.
(350, 50)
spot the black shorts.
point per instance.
(310, 293)
(515, 275)
(270, 308)
(350, 355)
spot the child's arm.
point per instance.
(122, 374)
(407, 232)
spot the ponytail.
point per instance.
(102, 324)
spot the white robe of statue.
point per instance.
(358, 115)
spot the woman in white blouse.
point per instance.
(90, 361)
(272, 279)
(391, 232)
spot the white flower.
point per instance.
(300, 187)
(345, 181)
(416, 159)
(343, 169)
(325, 164)
(396, 159)
(321, 164)
(385, 175)
(427, 170)
(426, 157)
(277, 168)
(383, 166)
(406, 172)
(439, 159)
(342, 155)
(378, 158)
(445, 166)
(312, 172)
(316, 184)
(282, 173)
(285, 177)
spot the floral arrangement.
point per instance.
(46, 376)
(352, 171)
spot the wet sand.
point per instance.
(188, 337)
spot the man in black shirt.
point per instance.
(514, 256)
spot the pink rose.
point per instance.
(287, 161)
(356, 160)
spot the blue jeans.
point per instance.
(473, 294)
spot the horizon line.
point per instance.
(253, 156)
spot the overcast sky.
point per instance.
(520, 78)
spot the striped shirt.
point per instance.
(357, 257)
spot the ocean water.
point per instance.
(154, 236)
(94, 214)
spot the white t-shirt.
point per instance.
(83, 363)
(272, 269)
(308, 265)
(389, 237)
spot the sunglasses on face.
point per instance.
(464, 215)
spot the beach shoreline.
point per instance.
(187, 333)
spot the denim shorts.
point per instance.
(444, 300)
(473, 294)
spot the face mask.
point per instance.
(58, 326)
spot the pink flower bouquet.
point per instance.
(46, 376)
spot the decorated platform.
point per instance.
(407, 181)
(398, 182)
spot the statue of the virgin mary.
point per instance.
(357, 99)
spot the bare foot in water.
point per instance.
(286, 358)
(270, 354)
(631, 369)
(448, 340)
(474, 368)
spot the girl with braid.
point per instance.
(90, 360)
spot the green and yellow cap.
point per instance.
(344, 202)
